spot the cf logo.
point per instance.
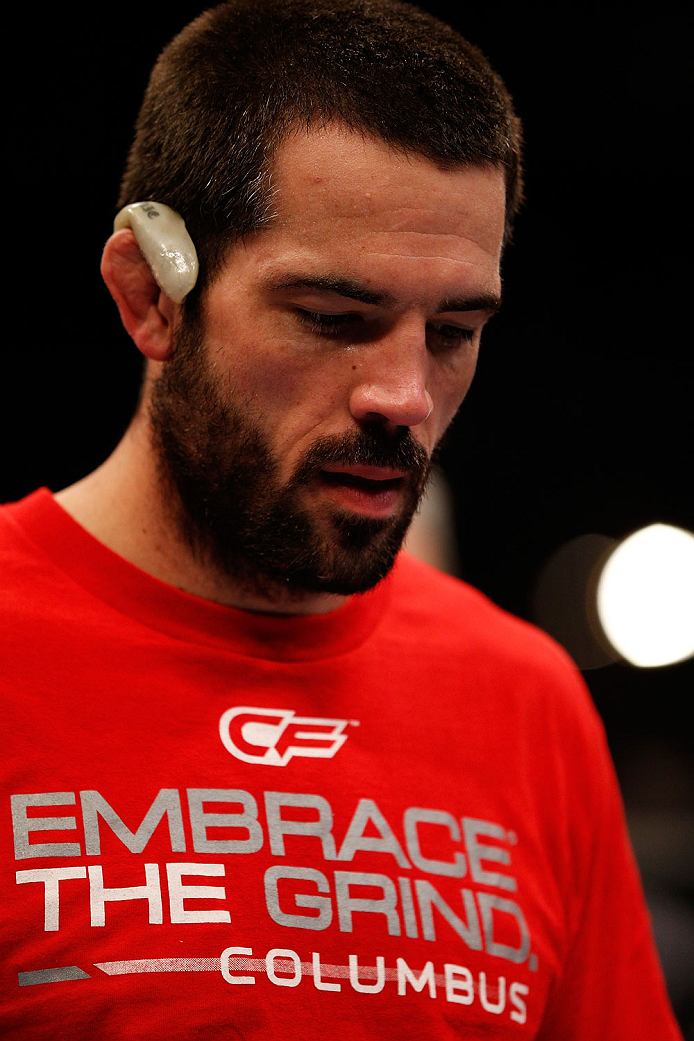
(273, 736)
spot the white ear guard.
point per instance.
(165, 244)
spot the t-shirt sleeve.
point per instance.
(611, 987)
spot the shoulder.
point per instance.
(440, 603)
(447, 624)
(17, 550)
(520, 681)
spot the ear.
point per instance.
(147, 314)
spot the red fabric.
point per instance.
(464, 842)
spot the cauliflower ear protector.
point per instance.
(165, 244)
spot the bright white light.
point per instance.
(645, 596)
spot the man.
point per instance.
(266, 777)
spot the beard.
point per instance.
(222, 483)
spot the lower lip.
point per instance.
(379, 502)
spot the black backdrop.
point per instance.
(580, 417)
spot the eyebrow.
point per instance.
(347, 287)
(488, 303)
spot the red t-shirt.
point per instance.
(398, 819)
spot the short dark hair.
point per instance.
(236, 81)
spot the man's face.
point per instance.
(296, 425)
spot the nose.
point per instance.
(391, 387)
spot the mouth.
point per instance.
(368, 490)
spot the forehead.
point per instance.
(355, 192)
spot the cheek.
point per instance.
(280, 380)
(258, 370)
(291, 397)
(451, 384)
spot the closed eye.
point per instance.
(441, 336)
(328, 324)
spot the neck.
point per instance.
(124, 506)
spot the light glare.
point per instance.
(645, 596)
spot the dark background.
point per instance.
(580, 417)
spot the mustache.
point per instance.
(366, 447)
